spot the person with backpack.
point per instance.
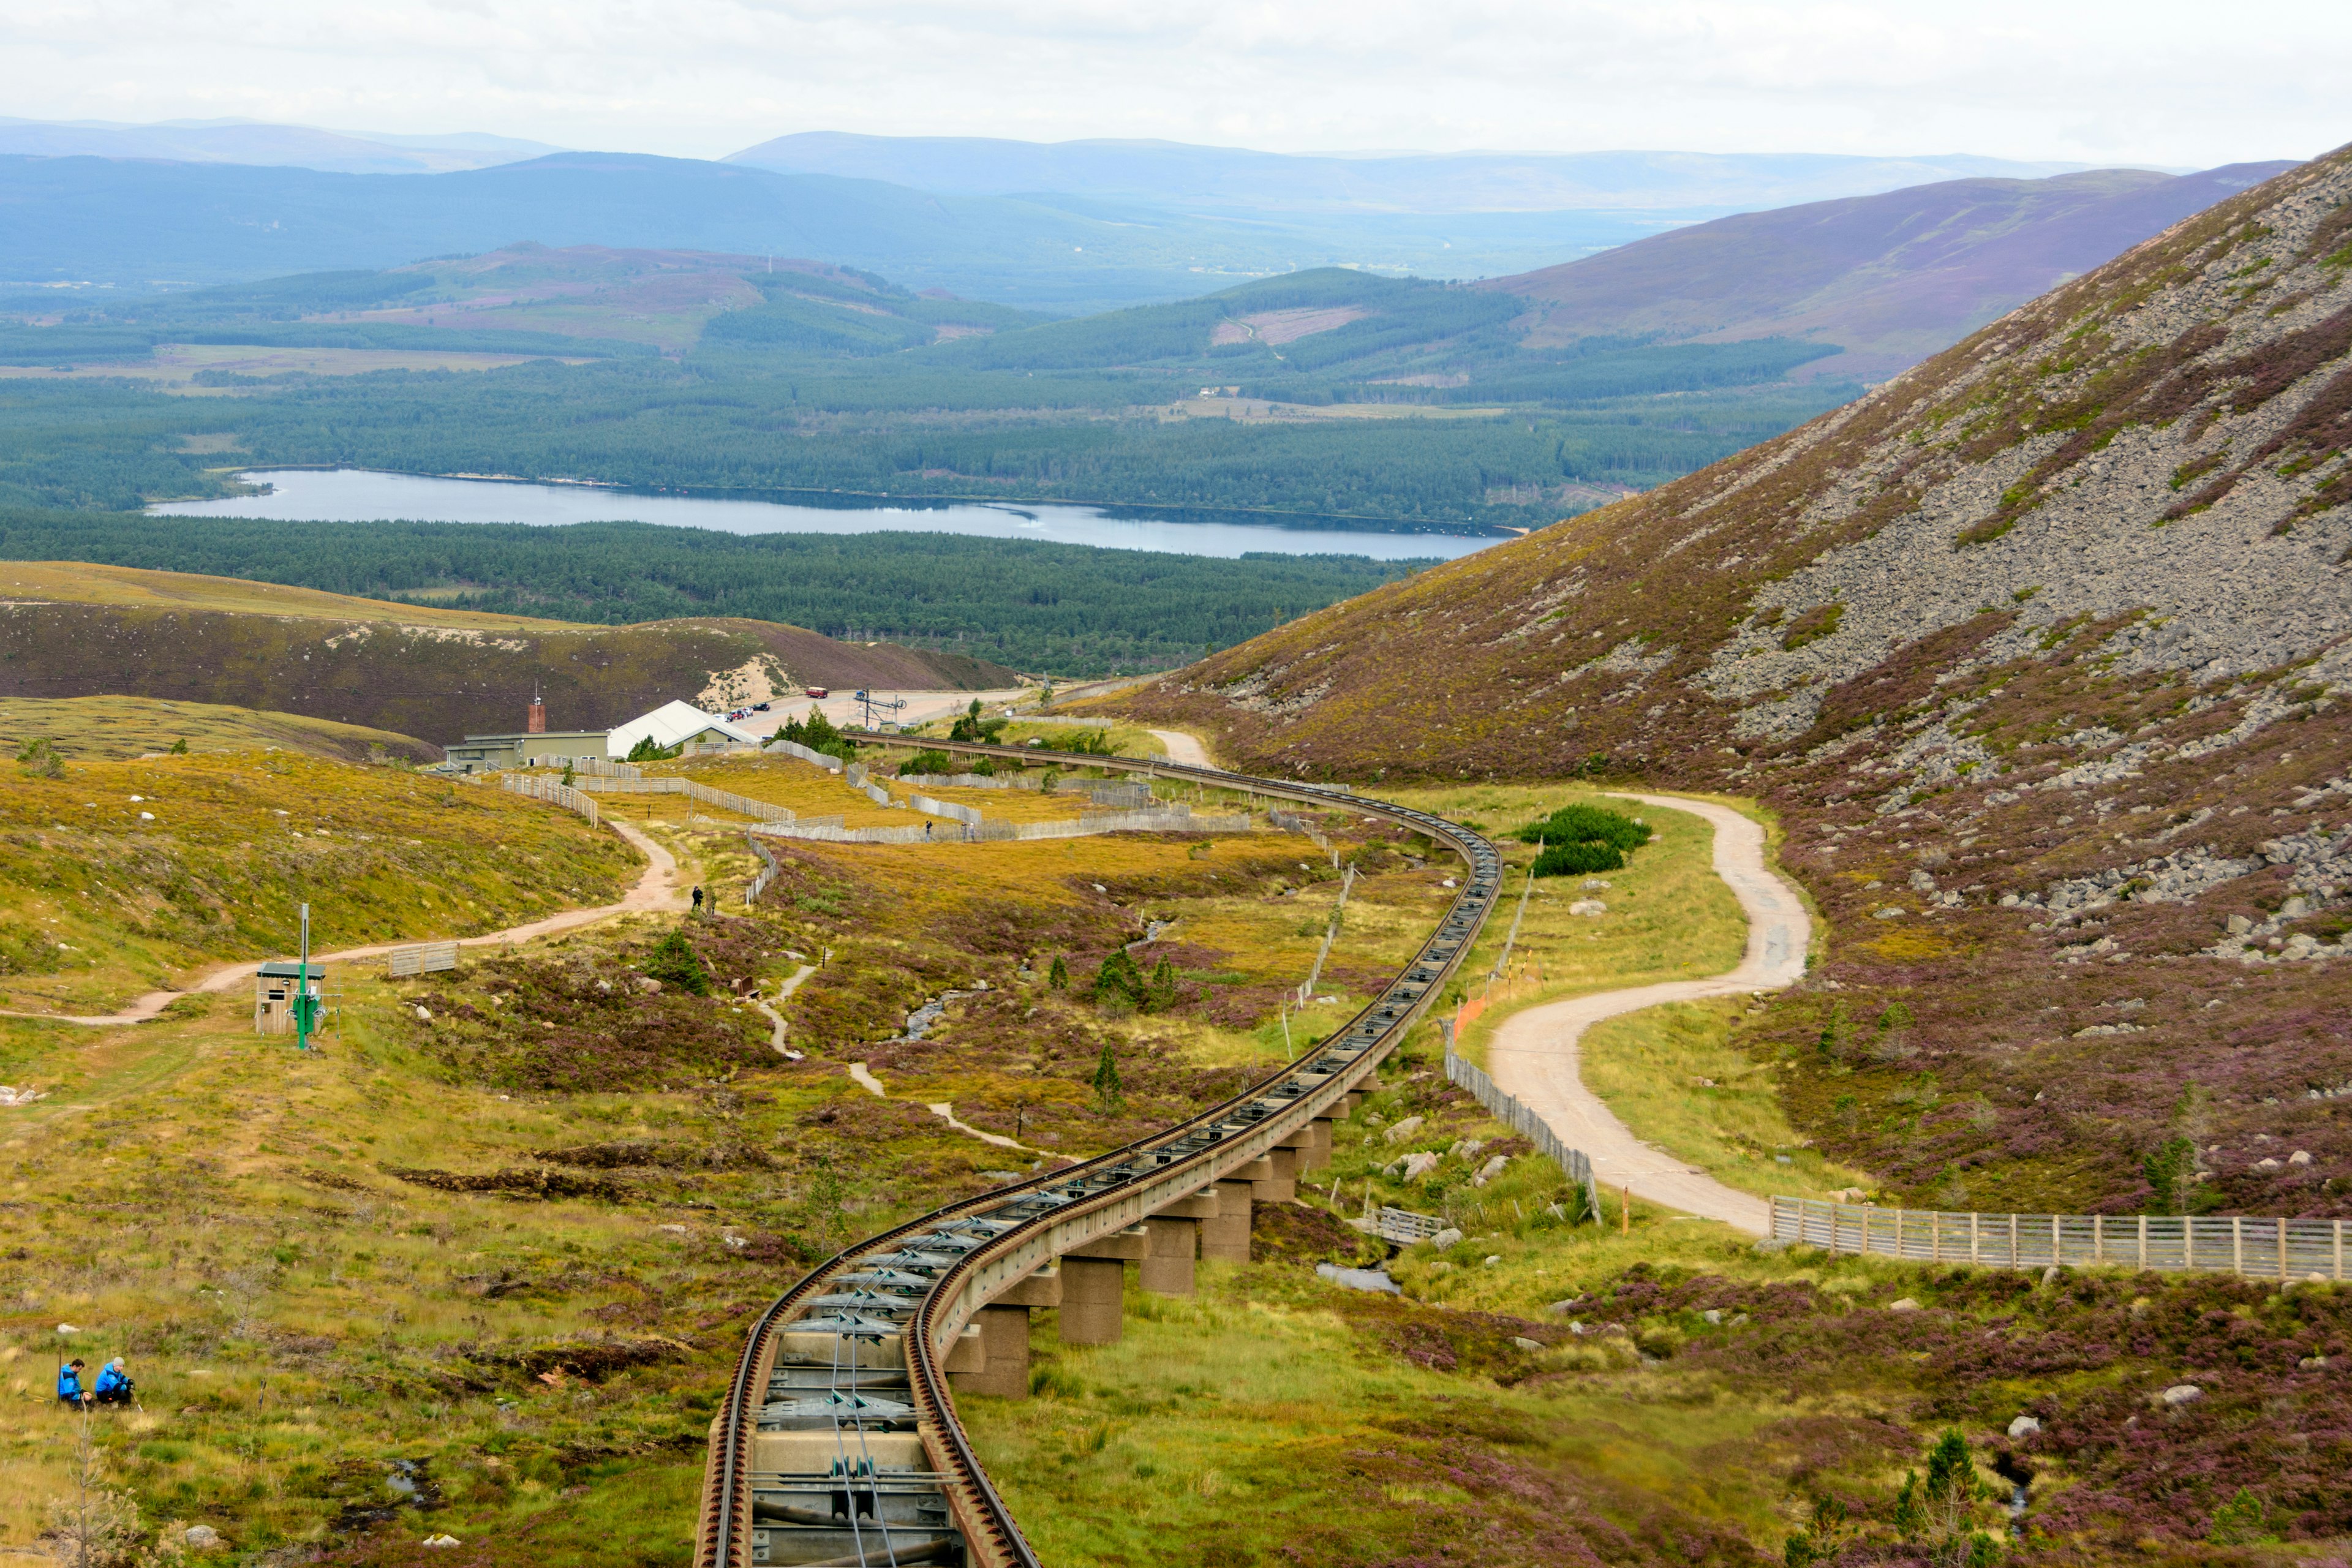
(115, 1385)
(70, 1393)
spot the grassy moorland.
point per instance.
(129, 728)
(1544, 1392)
(478, 1265)
(118, 877)
(478, 1262)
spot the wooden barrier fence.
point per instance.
(555, 794)
(2261, 1248)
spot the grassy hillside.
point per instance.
(123, 877)
(501, 1231)
(482, 1263)
(72, 630)
(1891, 279)
(125, 728)
(2036, 653)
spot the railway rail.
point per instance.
(837, 1442)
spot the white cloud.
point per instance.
(2101, 80)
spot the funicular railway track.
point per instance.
(837, 1442)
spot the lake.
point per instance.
(360, 495)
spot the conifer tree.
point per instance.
(1110, 1097)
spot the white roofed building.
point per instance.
(674, 724)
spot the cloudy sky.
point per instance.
(2151, 81)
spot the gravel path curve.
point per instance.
(1534, 1054)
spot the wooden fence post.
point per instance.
(2282, 1238)
(1936, 1234)
(1975, 1236)
(2012, 1241)
(2057, 1251)
(2098, 1239)
(2236, 1245)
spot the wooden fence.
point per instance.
(725, 799)
(2283, 1249)
(556, 793)
(1522, 1120)
(424, 958)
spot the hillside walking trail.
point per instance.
(1534, 1054)
(656, 891)
(1182, 749)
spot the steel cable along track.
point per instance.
(859, 1508)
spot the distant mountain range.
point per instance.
(1891, 279)
(1067, 229)
(1235, 179)
(1851, 290)
(247, 141)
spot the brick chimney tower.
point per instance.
(537, 723)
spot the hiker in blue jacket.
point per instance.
(114, 1386)
(70, 1393)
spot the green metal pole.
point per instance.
(302, 987)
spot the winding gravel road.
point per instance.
(1533, 1055)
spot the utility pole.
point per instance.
(302, 1005)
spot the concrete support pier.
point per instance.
(1094, 1286)
(1004, 1339)
(1166, 1267)
(1227, 1236)
(1279, 1185)
(1094, 1292)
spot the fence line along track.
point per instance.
(843, 1378)
(2260, 1247)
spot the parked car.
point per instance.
(817, 691)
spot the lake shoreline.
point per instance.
(343, 493)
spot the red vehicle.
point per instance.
(817, 692)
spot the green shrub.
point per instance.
(673, 961)
(818, 735)
(927, 762)
(971, 726)
(1058, 977)
(1577, 860)
(1118, 984)
(1578, 840)
(1584, 824)
(40, 757)
(1110, 1096)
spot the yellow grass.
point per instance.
(1669, 916)
(1673, 1075)
(121, 876)
(800, 787)
(81, 582)
(121, 727)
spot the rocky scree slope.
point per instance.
(2042, 652)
